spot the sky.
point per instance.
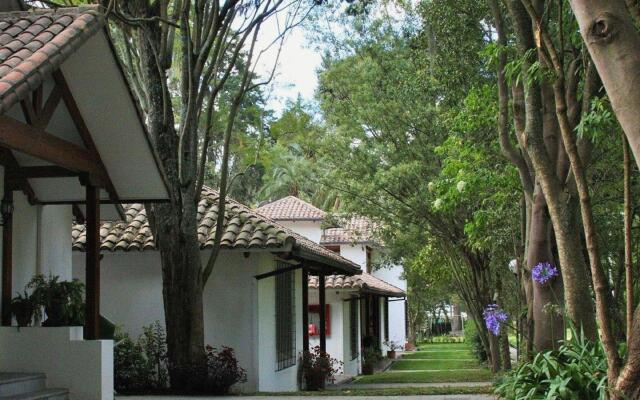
(296, 69)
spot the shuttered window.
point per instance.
(285, 318)
(353, 327)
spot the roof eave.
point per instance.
(341, 268)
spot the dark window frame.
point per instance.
(285, 295)
(386, 319)
(354, 307)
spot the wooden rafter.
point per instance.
(47, 171)
(38, 143)
(8, 160)
(85, 134)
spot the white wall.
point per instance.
(338, 340)
(356, 253)
(312, 230)
(239, 312)
(83, 367)
(397, 316)
(351, 366)
(25, 245)
(270, 379)
(54, 250)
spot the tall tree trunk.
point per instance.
(175, 231)
(548, 324)
(614, 44)
(560, 202)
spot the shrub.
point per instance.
(223, 371)
(141, 366)
(472, 336)
(318, 368)
(577, 370)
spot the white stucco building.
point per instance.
(253, 301)
(378, 295)
(62, 156)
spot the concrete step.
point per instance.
(15, 384)
(45, 394)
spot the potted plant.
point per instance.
(392, 347)
(370, 357)
(23, 307)
(318, 368)
(62, 301)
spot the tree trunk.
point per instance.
(561, 204)
(548, 324)
(614, 44)
(175, 232)
(628, 256)
(494, 353)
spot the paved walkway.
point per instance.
(435, 397)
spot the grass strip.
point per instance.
(389, 392)
(476, 375)
(433, 364)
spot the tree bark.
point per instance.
(547, 298)
(175, 232)
(614, 44)
(559, 200)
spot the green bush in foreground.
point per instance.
(577, 370)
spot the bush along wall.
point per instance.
(141, 366)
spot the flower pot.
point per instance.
(56, 314)
(391, 354)
(367, 369)
(23, 315)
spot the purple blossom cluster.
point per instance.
(543, 272)
(494, 316)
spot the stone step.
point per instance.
(45, 394)
(14, 384)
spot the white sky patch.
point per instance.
(296, 69)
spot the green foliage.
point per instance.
(63, 301)
(577, 370)
(472, 337)
(140, 366)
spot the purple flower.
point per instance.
(543, 272)
(494, 317)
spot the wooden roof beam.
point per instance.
(36, 142)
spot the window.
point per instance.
(353, 327)
(285, 318)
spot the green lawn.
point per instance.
(413, 365)
(389, 392)
(449, 355)
(435, 363)
(476, 375)
(443, 346)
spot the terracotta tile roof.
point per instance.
(245, 229)
(355, 229)
(291, 208)
(35, 43)
(364, 282)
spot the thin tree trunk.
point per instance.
(628, 256)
